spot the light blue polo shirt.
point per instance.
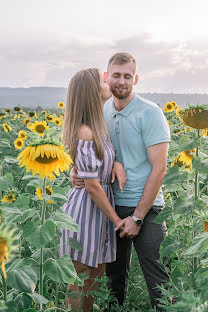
(139, 125)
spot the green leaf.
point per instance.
(47, 253)
(189, 145)
(10, 179)
(75, 244)
(27, 214)
(29, 177)
(39, 235)
(50, 131)
(174, 176)
(200, 165)
(21, 277)
(10, 160)
(168, 246)
(3, 184)
(61, 270)
(23, 202)
(163, 215)
(64, 221)
(184, 205)
(34, 182)
(38, 299)
(173, 188)
(199, 245)
(10, 307)
(57, 196)
(5, 143)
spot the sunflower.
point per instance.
(32, 114)
(50, 118)
(175, 105)
(22, 135)
(2, 115)
(43, 112)
(61, 105)
(39, 127)
(26, 121)
(6, 127)
(186, 158)
(9, 198)
(204, 132)
(169, 107)
(30, 126)
(7, 110)
(49, 192)
(18, 143)
(7, 246)
(58, 121)
(45, 159)
(196, 118)
(17, 109)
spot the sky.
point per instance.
(45, 42)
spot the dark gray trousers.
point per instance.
(147, 245)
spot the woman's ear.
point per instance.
(105, 75)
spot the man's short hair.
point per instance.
(121, 58)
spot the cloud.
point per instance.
(178, 67)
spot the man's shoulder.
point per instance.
(146, 104)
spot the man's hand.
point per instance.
(76, 182)
(119, 172)
(128, 228)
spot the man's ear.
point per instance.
(105, 75)
(136, 78)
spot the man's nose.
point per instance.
(122, 80)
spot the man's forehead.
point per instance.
(127, 68)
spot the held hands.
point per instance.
(128, 228)
(119, 172)
(76, 182)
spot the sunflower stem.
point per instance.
(196, 196)
(4, 288)
(41, 249)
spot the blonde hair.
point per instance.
(84, 107)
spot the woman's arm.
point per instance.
(119, 172)
(100, 199)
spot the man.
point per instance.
(140, 135)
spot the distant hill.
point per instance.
(48, 97)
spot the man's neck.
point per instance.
(122, 103)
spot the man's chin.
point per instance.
(120, 96)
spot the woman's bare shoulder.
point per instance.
(85, 133)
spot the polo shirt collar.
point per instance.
(126, 111)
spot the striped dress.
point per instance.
(96, 232)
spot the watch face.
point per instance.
(139, 222)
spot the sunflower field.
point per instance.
(34, 183)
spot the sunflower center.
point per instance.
(19, 143)
(7, 127)
(46, 160)
(40, 128)
(169, 106)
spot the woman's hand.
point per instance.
(119, 172)
(76, 182)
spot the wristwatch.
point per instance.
(138, 221)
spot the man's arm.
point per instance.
(157, 155)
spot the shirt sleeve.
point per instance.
(155, 127)
(87, 163)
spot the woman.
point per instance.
(86, 137)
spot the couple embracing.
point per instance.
(123, 139)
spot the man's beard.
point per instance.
(119, 95)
